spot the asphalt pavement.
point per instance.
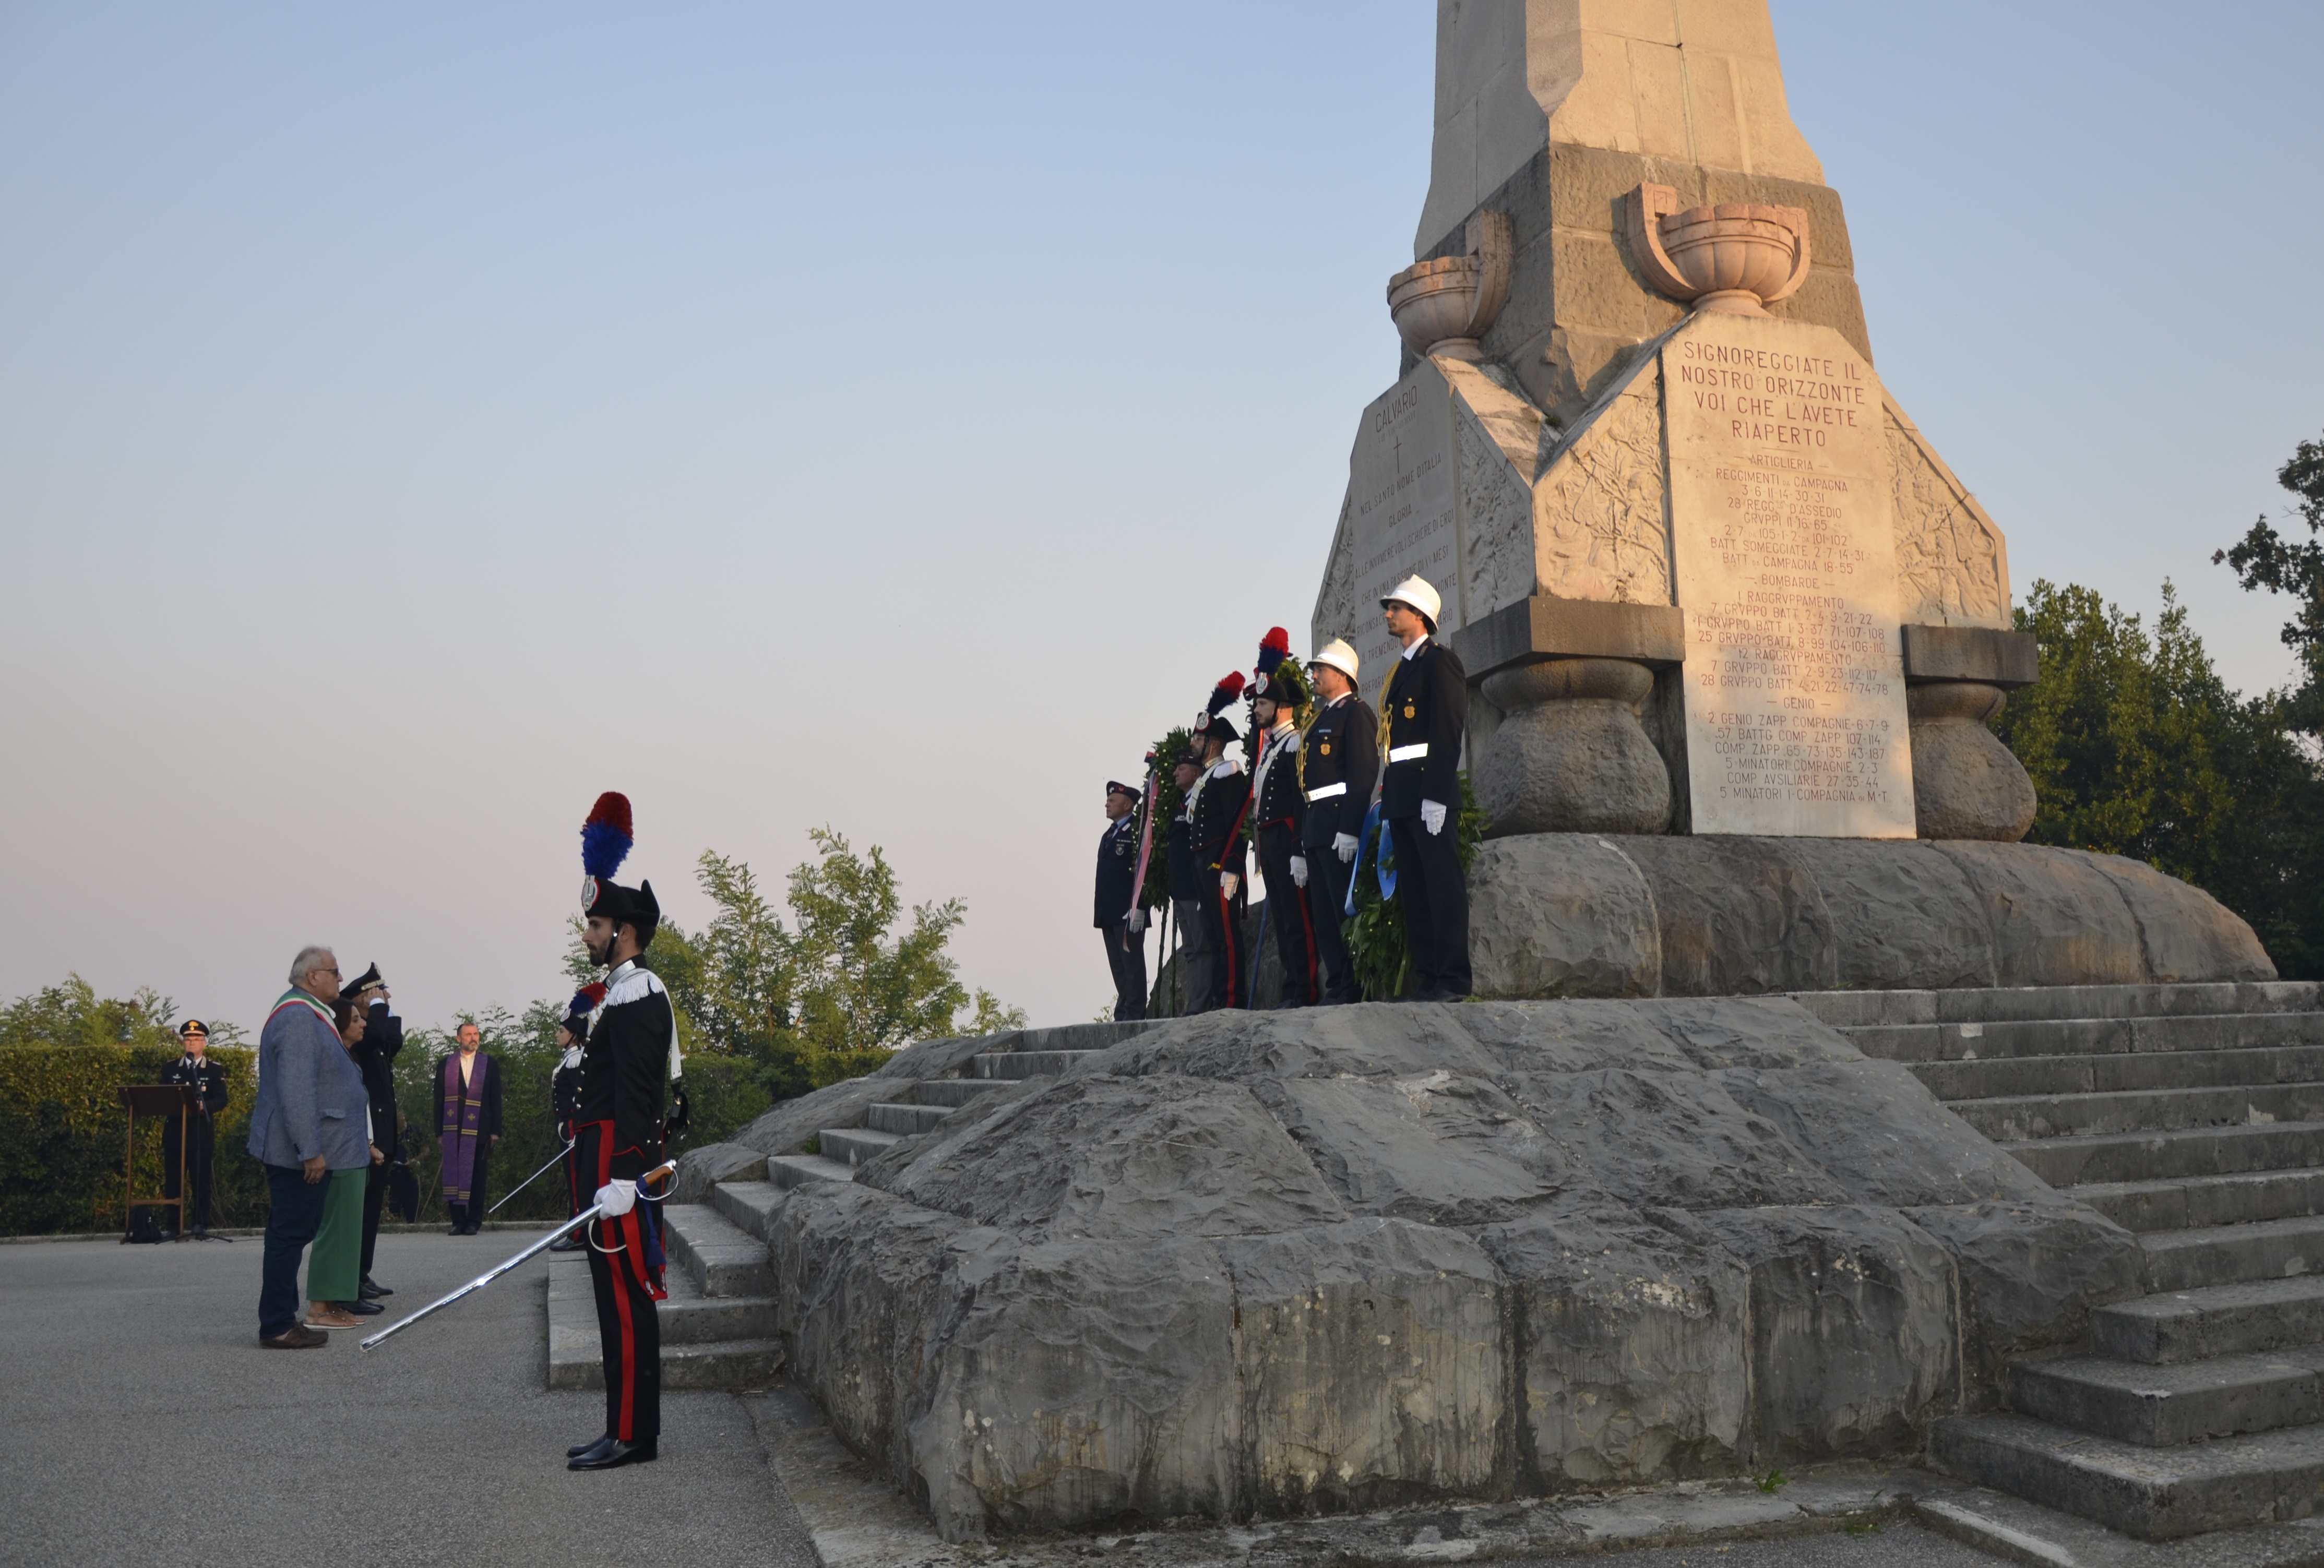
(145, 1426)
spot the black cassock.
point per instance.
(207, 1079)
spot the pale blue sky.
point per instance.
(413, 423)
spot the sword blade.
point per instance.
(528, 1181)
(667, 1167)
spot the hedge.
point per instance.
(61, 1128)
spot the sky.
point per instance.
(414, 420)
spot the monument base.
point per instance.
(1573, 914)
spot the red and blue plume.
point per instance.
(1273, 649)
(1225, 693)
(587, 1000)
(605, 836)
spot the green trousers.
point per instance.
(335, 1260)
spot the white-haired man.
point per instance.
(1425, 710)
(308, 1121)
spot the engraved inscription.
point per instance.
(1781, 516)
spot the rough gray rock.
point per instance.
(700, 1169)
(2185, 933)
(1374, 1359)
(2055, 918)
(1561, 915)
(1904, 917)
(1254, 1264)
(1739, 916)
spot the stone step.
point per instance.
(790, 1170)
(854, 1145)
(2231, 1254)
(2180, 1326)
(723, 1259)
(2189, 1202)
(734, 1365)
(707, 1341)
(1954, 1042)
(951, 1091)
(748, 1206)
(1993, 1077)
(2161, 1406)
(2123, 1156)
(2015, 1118)
(1855, 1008)
(1026, 1063)
(1085, 1038)
(904, 1120)
(2153, 1493)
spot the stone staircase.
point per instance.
(2193, 1116)
(718, 1324)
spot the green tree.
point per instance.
(2266, 560)
(71, 1013)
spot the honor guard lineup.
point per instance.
(1329, 777)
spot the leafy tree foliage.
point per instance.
(71, 1013)
(2264, 560)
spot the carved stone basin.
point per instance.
(1442, 307)
(1734, 257)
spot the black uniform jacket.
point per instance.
(1117, 870)
(1184, 881)
(1218, 825)
(626, 1064)
(1342, 750)
(375, 1053)
(1280, 809)
(206, 1078)
(1427, 708)
(565, 1090)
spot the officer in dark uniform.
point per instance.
(1339, 760)
(1279, 814)
(207, 1079)
(1221, 805)
(565, 1101)
(375, 1053)
(1123, 926)
(630, 1052)
(1426, 715)
(1186, 884)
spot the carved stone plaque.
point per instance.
(1785, 551)
(1401, 511)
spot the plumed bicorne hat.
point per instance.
(605, 841)
(1223, 696)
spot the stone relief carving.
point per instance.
(1600, 514)
(1496, 517)
(1952, 568)
(1336, 604)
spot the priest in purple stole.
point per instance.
(468, 1115)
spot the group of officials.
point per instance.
(1302, 803)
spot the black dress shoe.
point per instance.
(372, 1292)
(612, 1454)
(579, 1448)
(360, 1308)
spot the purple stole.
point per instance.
(464, 1115)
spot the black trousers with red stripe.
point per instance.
(627, 1327)
(1295, 928)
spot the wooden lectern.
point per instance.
(154, 1099)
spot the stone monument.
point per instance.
(1707, 574)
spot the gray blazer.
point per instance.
(310, 1093)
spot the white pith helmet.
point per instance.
(1338, 655)
(1415, 592)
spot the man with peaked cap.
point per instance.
(1122, 925)
(207, 1079)
(375, 1053)
(1216, 813)
(1339, 759)
(1186, 884)
(1425, 714)
(1279, 814)
(631, 1050)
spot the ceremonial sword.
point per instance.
(535, 1177)
(667, 1167)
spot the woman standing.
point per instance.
(335, 1260)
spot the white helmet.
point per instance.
(1339, 656)
(1415, 592)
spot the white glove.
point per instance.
(1432, 815)
(618, 1197)
(1227, 883)
(1299, 871)
(1345, 845)
(1137, 922)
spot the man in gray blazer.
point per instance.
(308, 1121)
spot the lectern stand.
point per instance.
(154, 1099)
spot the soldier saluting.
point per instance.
(207, 1079)
(1339, 760)
(1425, 713)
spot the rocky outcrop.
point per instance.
(1250, 1264)
(1573, 914)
